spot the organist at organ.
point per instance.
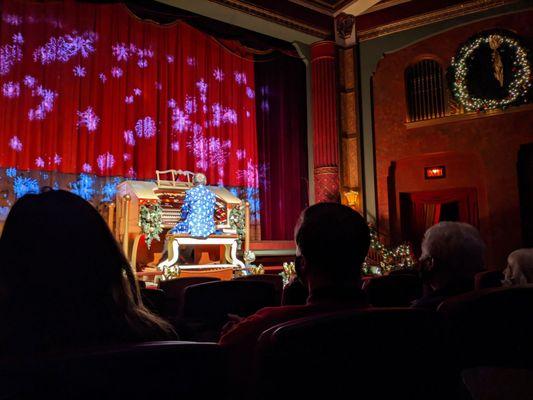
(181, 225)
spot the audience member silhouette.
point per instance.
(332, 242)
(64, 282)
(452, 254)
(519, 270)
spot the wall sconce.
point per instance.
(437, 172)
(353, 199)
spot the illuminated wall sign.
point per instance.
(435, 172)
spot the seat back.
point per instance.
(275, 280)
(393, 290)
(154, 300)
(381, 353)
(488, 279)
(174, 289)
(491, 327)
(206, 306)
(149, 370)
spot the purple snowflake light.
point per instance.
(229, 116)
(86, 168)
(202, 88)
(175, 146)
(190, 105)
(241, 154)
(250, 92)
(128, 100)
(116, 72)
(29, 81)
(9, 55)
(126, 156)
(17, 38)
(39, 162)
(137, 92)
(120, 51)
(57, 159)
(180, 120)
(63, 48)
(170, 59)
(105, 161)
(12, 19)
(11, 90)
(102, 77)
(191, 61)
(249, 176)
(240, 78)
(15, 143)
(129, 138)
(218, 74)
(145, 128)
(79, 71)
(88, 119)
(47, 103)
(142, 63)
(171, 103)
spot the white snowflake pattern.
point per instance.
(137, 92)
(105, 161)
(175, 146)
(128, 100)
(209, 151)
(47, 103)
(39, 162)
(15, 143)
(202, 88)
(190, 105)
(29, 81)
(240, 78)
(116, 72)
(171, 103)
(250, 92)
(12, 19)
(88, 119)
(63, 48)
(86, 168)
(120, 51)
(229, 116)
(170, 58)
(180, 120)
(249, 176)
(9, 55)
(79, 71)
(222, 115)
(11, 89)
(129, 138)
(17, 38)
(57, 159)
(142, 63)
(145, 127)
(218, 74)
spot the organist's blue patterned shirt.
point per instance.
(197, 213)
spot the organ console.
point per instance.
(170, 194)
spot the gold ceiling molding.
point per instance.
(273, 17)
(431, 17)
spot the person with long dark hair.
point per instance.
(64, 281)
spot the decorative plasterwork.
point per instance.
(432, 17)
(274, 17)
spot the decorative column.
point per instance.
(351, 177)
(326, 133)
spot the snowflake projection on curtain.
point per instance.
(10, 54)
(63, 48)
(87, 168)
(79, 71)
(88, 119)
(11, 89)
(39, 162)
(29, 81)
(45, 106)
(129, 138)
(180, 120)
(105, 162)
(15, 143)
(25, 185)
(145, 128)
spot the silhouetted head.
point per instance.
(452, 253)
(63, 270)
(333, 241)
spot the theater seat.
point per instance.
(154, 300)
(206, 306)
(491, 327)
(174, 289)
(275, 280)
(156, 370)
(371, 354)
(488, 279)
(393, 290)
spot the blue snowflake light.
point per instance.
(110, 190)
(11, 172)
(84, 187)
(23, 186)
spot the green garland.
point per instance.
(237, 221)
(399, 257)
(521, 72)
(150, 222)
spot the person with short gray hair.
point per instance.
(452, 254)
(519, 269)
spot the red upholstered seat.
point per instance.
(393, 290)
(275, 280)
(156, 370)
(174, 289)
(488, 279)
(376, 353)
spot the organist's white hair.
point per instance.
(520, 267)
(456, 245)
(199, 179)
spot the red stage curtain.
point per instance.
(282, 137)
(81, 82)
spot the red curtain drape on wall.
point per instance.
(91, 88)
(282, 138)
